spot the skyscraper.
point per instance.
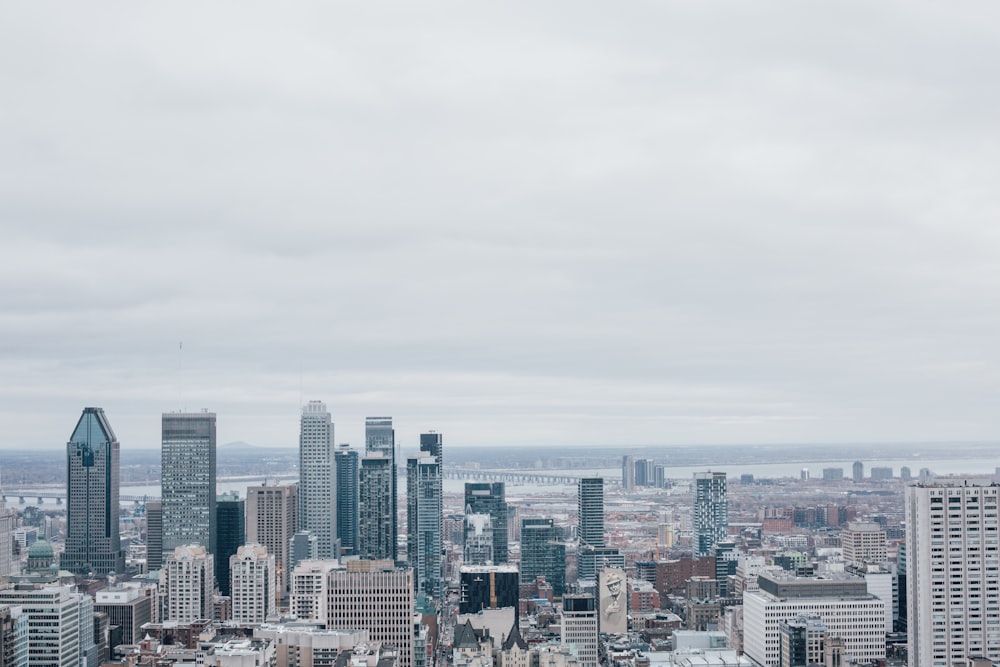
(590, 506)
(92, 538)
(380, 439)
(579, 628)
(858, 471)
(272, 517)
(489, 498)
(376, 511)
(711, 511)
(347, 464)
(952, 571)
(187, 479)
(424, 516)
(317, 481)
(543, 553)
(230, 523)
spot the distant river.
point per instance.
(982, 466)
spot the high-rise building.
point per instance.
(55, 628)
(543, 553)
(93, 544)
(424, 521)
(347, 463)
(271, 520)
(317, 481)
(952, 571)
(644, 472)
(380, 439)
(376, 510)
(154, 535)
(253, 584)
(628, 473)
(14, 637)
(590, 505)
(711, 511)
(858, 471)
(378, 597)
(579, 628)
(187, 479)
(489, 498)
(187, 582)
(8, 523)
(230, 524)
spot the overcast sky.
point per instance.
(549, 223)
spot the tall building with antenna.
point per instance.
(317, 481)
(92, 511)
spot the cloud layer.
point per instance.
(558, 224)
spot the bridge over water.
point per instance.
(58, 496)
(512, 476)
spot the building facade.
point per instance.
(93, 544)
(380, 440)
(590, 506)
(317, 481)
(272, 517)
(187, 480)
(952, 572)
(543, 553)
(424, 517)
(580, 627)
(378, 597)
(187, 582)
(376, 509)
(711, 511)
(347, 464)
(490, 498)
(254, 594)
(230, 524)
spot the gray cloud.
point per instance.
(515, 224)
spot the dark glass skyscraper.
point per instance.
(347, 499)
(187, 480)
(380, 440)
(489, 498)
(93, 542)
(230, 511)
(543, 553)
(376, 512)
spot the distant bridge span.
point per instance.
(509, 476)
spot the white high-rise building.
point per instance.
(579, 628)
(187, 581)
(317, 480)
(54, 632)
(378, 597)
(254, 585)
(953, 572)
(842, 603)
(311, 589)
